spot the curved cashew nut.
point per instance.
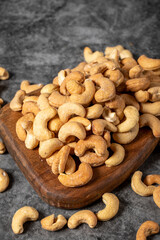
(30, 142)
(97, 143)
(109, 50)
(152, 122)
(87, 96)
(137, 84)
(79, 67)
(66, 110)
(25, 86)
(125, 54)
(48, 88)
(130, 100)
(93, 159)
(48, 147)
(71, 129)
(89, 56)
(30, 99)
(23, 215)
(118, 105)
(128, 63)
(126, 137)
(17, 101)
(55, 124)
(146, 229)
(2, 147)
(79, 178)
(115, 76)
(111, 209)
(43, 102)
(151, 179)
(30, 107)
(142, 96)
(117, 157)
(51, 223)
(110, 116)
(156, 196)
(20, 131)
(84, 121)
(132, 117)
(56, 99)
(94, 111)
(4, 74)
(152, 108)
(83, 216)
(154, 94)
(40, 129)
(4, 180)
(139, 187)
(62, 75)
(148, 63)
(100, 125)
(135, 72)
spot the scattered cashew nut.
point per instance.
(4, 180)
(117, 157)
(51, 223)
(146, 229)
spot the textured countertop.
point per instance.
(39, 38)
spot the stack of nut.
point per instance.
(88, 107)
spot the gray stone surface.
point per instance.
(37, 39)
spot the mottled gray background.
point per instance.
(39, 38)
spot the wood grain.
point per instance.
(46, 184)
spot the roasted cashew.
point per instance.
(94, 111)
(110, 116)
(23, 215)
(100, 125)
(30, 142)
(87, 96)
(71, 129)
(125, 54)
(114, 55)
(96, 67)
(25, 86)
(30, 107)
(142, 96)
(111, 209)
(62, 75)
(56, 99)
(17, 101)
(79, 178)
(126, 137)
(109, 50)
(79, 67)
(146, 229)
(132, 118)
(117, 105)
(97, 143)
(55, 124)
(55, 81)
(40, 128)
(4, 74)
(48, 147)
(4, 180)
(107, 137)
(84, 121)
(72, 146)
(2, 147)
(128, 63)
(67, 110)
(152, 108)
(151, 179)
(20, 131)
(30, 99)
(139, 187)
(51, 223)
(43, 102)
(83, 216)
(115, 76)
(137, 84)
(152, 122)
(117, 157)
(48, 88)
(148, 63)
(90, 56)
(130, 100)
(135, 72)
(156, 196)
(93, 159)
(154, 94)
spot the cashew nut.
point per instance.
(109, 50)
(23, 215)
(139, 187)
(128, 63)
(4, 180)
(79, 67)
(137, 84)
(93, 159)
(148, 63)
(89, 56)
(55, 124)
(4, 74)
(71, 129)
(2, 147)
(30, 99)
(107, 137)
(156, 196)
(66, 110)
(43, 102)
(97, 143)
(151, 179)
(17, 101)
(142, 96)
(154, 94)
(100, 125)
(30, 107)
(151, 121)
(49, 88)
(115, 76)
(84, 121)
(30, 142)
(132, 117)
(111, 209)
(56, 99)
(110, 116)
(146, 229)
(118, 105)
(126, 137)
(94, 111)
(61, 75)
(40, 128)
(83, 216)
(135, 72)
(125, 54)
(51, 223)
(130, 100)
(48, 147)
(25, 86)
(117, 157)
(152, 108)
(79, 178)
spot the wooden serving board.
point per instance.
(46, 184)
